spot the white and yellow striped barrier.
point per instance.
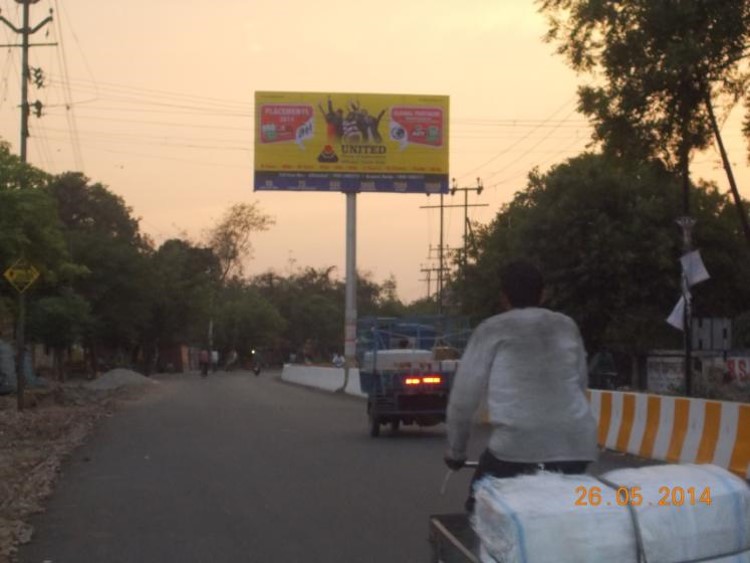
(675, 429)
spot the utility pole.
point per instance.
(26, 31)
(441, 247)
(686, 223)
(478, 188)
(439, 253)
(428, 272)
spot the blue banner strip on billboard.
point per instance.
(343, 182)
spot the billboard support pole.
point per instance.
(350, 315)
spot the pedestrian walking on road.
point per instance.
(204, 359)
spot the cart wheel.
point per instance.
(395, 425)
(374, 426)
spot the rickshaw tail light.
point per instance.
(425, 380)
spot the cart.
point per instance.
(452, 539)
(406, 370)
(405, 396)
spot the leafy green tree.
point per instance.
(184, 277)
(103, 236)
(30, 229)
(246, 321)
(312, 303)
(15, 174)
(660, 68)
(29, 225)
(59, 321)
(603, 231)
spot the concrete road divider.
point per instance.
(326, 378)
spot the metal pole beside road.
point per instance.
(21, 276)
(350, 314)
(20, 352)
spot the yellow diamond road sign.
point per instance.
(21, 275)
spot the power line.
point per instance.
(504, 151)
(70, 114)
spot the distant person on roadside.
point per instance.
(231, 360)
(531, 363)
(204, 359)
(338, 361)
(214, 360)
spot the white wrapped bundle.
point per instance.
(535, 519)
(694, 530)
(575, 518)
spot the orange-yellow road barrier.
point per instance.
(675, 429)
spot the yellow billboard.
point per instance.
(351, 142)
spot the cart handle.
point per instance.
(451, 472)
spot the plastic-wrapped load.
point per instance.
(683, 513)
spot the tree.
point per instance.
(184, 278)
(665, 64)
(30, 229)
(28, 218)
(231, 240)
(312, 303)
(59, 322)
(15, 174)
(246, 321)
(603, 231)
(103, 236)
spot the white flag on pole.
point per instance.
(677, 316)
(695, 270)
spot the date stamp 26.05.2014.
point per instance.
(633, 496)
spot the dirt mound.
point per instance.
(116, 378)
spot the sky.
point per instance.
(154, 99)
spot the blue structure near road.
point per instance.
(416, 333)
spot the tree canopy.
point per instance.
(603, 231)
(656, 63)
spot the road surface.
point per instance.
(238, 468)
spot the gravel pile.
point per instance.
(116, 378)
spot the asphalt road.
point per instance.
(238, 468)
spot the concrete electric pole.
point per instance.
(26, 31)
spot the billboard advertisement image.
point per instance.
(351, 142)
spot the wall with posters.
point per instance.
(351, 142)
(665, 374)
(738, 369)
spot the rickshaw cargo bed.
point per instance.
(671, 513)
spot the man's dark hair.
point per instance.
(522, 284)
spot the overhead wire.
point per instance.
(505, 150)
(527, 151)
(10, 67)
(81, 50)
(564, 150)
(68, 96)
